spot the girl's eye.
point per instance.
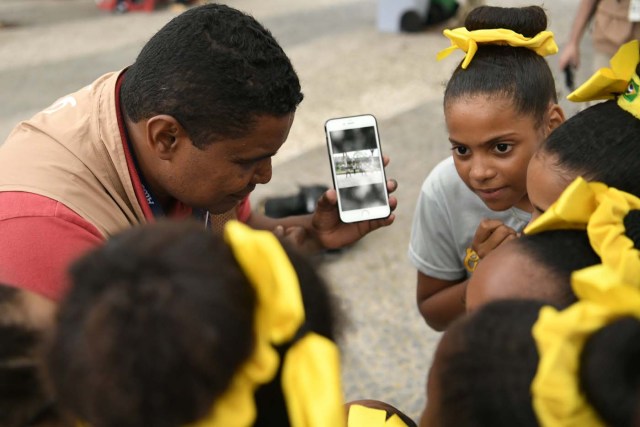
(460, 150)
(503, 148)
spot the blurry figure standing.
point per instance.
(615, 22)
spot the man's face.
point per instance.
(226, 171)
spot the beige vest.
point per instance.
(72, 152)
(611, 26)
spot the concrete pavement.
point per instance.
(52, 47)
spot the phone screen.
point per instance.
(358, 172)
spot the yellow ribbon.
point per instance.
(560, 338)
(619, 81)
(363, 416)
(311, 368)
(600, 210)
(461, 38)
(572, 210)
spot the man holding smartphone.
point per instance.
(188, 130)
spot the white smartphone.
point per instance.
(357, 168)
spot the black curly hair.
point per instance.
(156, 324)
(215, 70)
(600, 144)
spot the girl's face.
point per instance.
(545, 182)
(492, 145)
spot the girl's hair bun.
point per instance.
(527, 21)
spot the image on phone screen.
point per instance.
(359, 177)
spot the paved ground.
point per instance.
(51, 47)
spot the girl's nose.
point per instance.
(481, 171)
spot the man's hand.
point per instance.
(331, 233)
(490, 234)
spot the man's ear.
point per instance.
(555, 117)
(165, 135)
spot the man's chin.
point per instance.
(223, 206)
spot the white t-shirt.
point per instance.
(446, 218)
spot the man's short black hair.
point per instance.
(214, 69)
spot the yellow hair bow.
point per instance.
(311, 368)
(363, 416)
(619, 81)
(560, 338)
(572, 210)
(600, 210)
(461, 38)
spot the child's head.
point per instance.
(25, 321)
(486, 361)
(160, 320)
(483, 367)
(536, 266)
(500, 108)
(599, 143)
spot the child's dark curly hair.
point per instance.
(156, 325)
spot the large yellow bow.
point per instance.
(461, 38)
(311, 368)
(601, 211)
(560, 337)
(620, 81)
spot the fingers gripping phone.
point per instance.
(357, 168)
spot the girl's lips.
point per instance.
(490, 193)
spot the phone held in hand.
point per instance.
(356, 165)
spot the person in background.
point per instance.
(615, 22)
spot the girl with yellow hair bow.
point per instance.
(170, 326)
(499, 105)
(599, 143)
(523, 363)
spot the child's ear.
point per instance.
(555, 117)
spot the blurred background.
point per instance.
(347, 66)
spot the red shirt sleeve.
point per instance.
(39, 239)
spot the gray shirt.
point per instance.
(445, 221)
